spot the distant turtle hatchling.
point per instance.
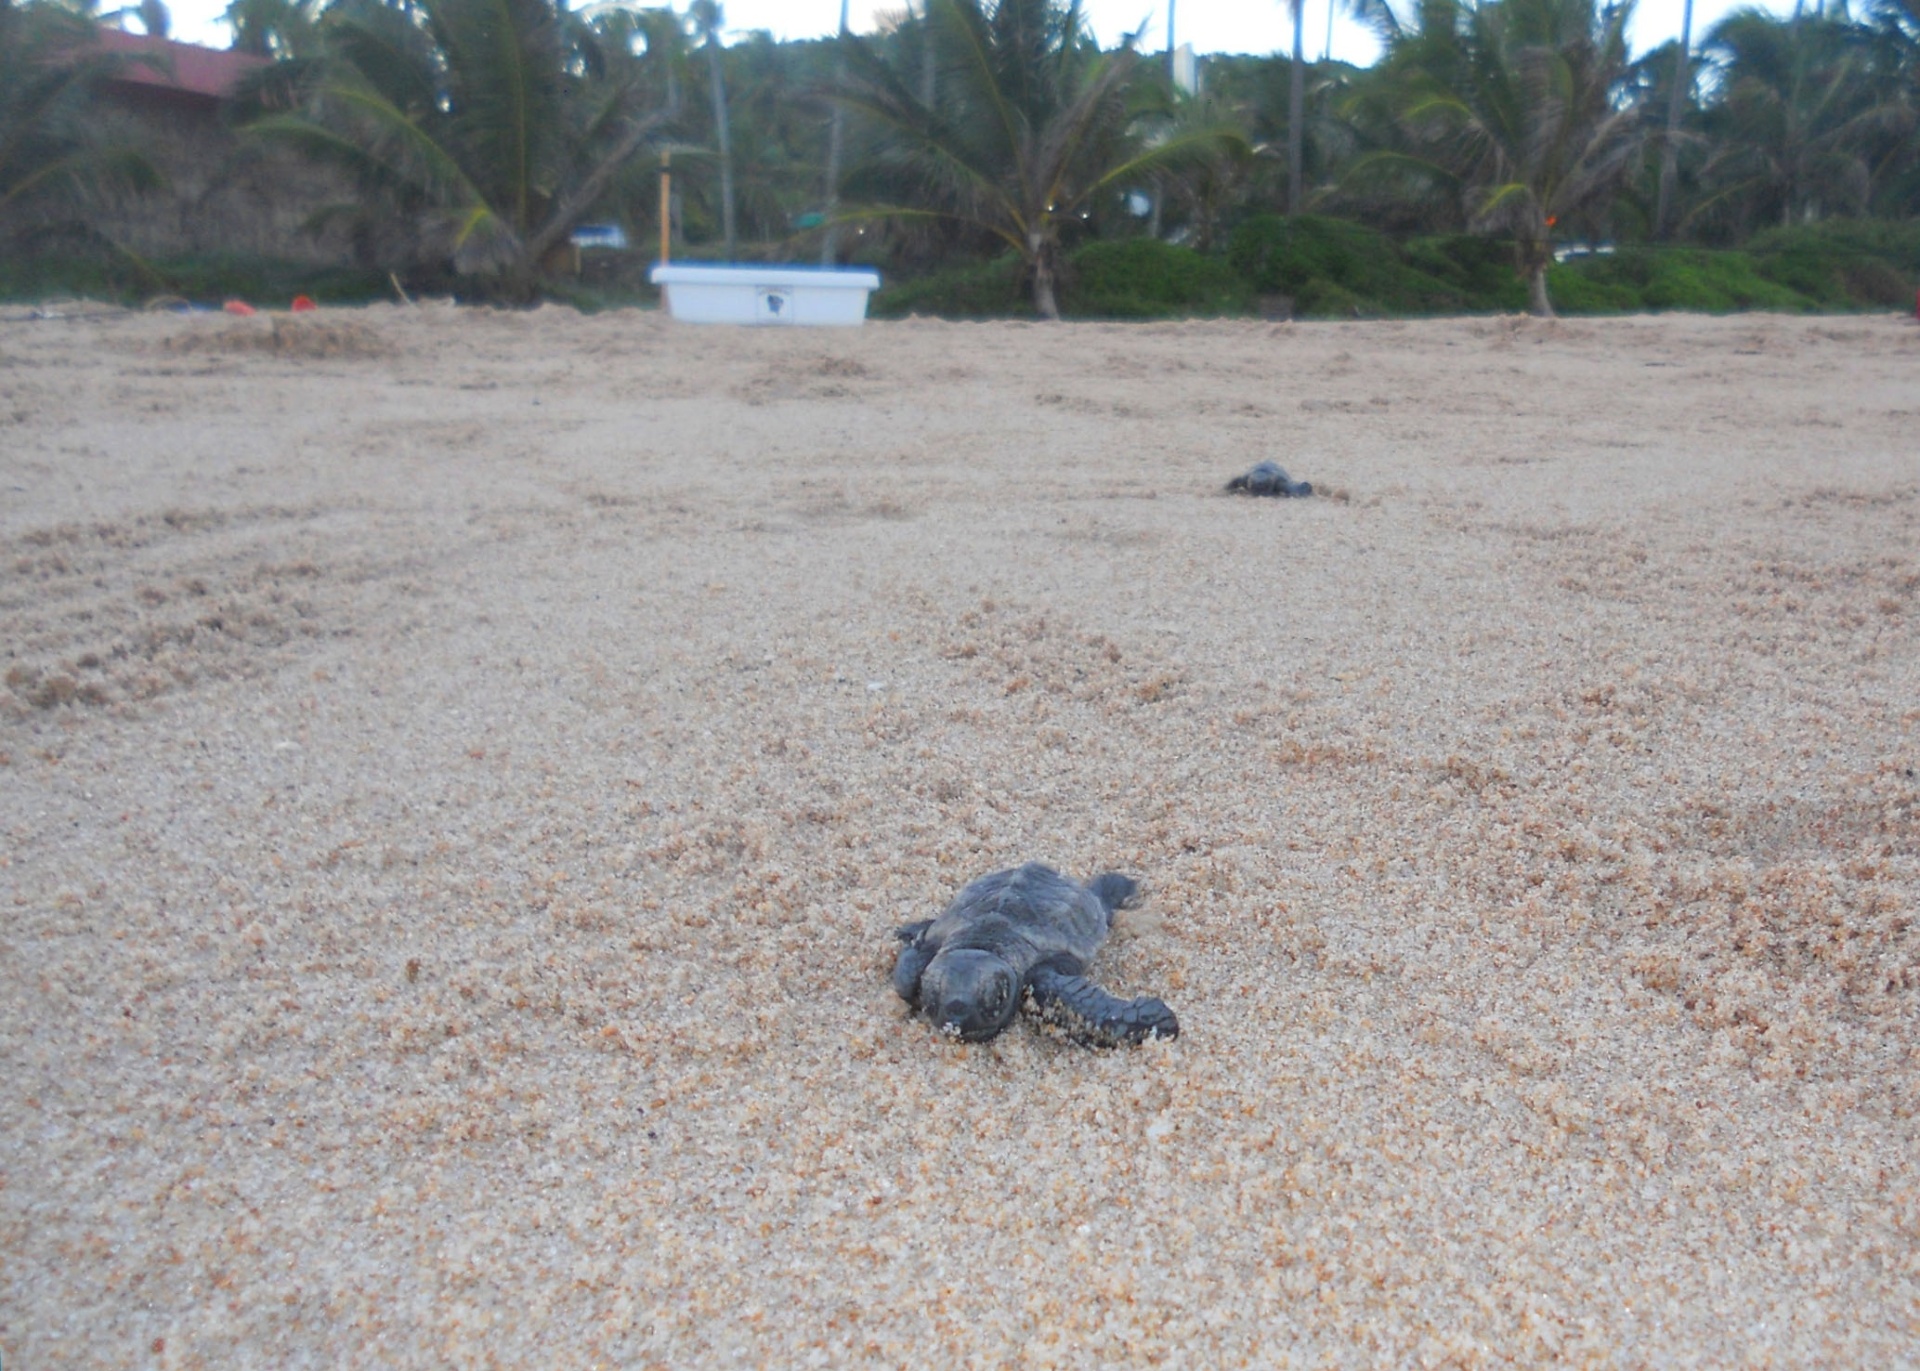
(1014, 932)
(1269, 478)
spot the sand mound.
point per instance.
(294, 337)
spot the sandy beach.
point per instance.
(460, 771)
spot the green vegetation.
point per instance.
(1844, 263)
(201, 280)
(482, 130)
(993, 159)
(54, 157)
(990, 290)
(1143, 279)
(1680, 278)
(1512, 110)
(1330, 269)
(1311, 267)
(1034, 125)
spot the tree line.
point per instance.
(472, 137)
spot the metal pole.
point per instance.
(666, 204)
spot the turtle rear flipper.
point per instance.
(1090, 1014)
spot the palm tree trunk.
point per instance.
(1538, 304)
(830, 243)
(1676, 101)
(721, 135)
(1041, 255)
(1296, 112)
(573, 207)
(929, 56)
(1536, 252)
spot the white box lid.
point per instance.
(832, 278)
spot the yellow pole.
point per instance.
(666, 203)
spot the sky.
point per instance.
(1254, 26)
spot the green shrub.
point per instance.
(1479, 269)
(1646, 278)
(1710, 282)
(1282, 256)
(1575, 290)
(1128, 279)
(1336, 269)
(1843, 263)
(205, 280)
(1142, 278)
(1323, 299)
(989, 290)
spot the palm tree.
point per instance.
(52, 159)
(1033, 124)
(707, 19)
(1196, 191)
(930, 57)
(1514, 105)
(275, 28)
(836, 136)
(1810, 114)
(1896, 41)
(1297, 112)
(1677, 97)
(483, 131)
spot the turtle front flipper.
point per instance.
(1089, 1013)
(914, 956)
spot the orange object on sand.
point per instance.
(238, 307)
(303, 303)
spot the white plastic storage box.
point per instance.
(765, 295)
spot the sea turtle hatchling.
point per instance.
(1269, 478)
(1029, 929)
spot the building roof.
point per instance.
(185, 67)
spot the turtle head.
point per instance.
(969, 994)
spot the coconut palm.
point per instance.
(1256, 94)
(1896, 33)
(53, 160)
(1513, 105)
(275, 28)
(836, 141)
(1297, 111)
(1679, 92)
(1812, 111)
(484, 130)
(1033, 123)
(707, 17)
(1212, 166)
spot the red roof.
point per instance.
(194, 69)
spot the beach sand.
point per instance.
(459, 773)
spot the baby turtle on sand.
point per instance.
(1269, 479)
(1018, 931)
